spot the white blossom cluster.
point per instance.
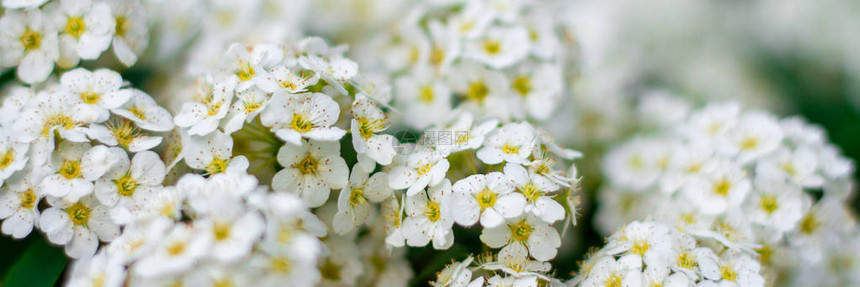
(651, 253)
(67, 163)
(35, 35)
(502, 59)
(747, 179)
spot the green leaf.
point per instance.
(40, 265)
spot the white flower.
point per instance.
(292, 117)
(466, 133)
(490, 198)
(13, 103)
(536, 90)
(353, 204)
(334, 70)
(233, 231)
(17, 4)
(430, 217)
(250, 65)
(287, 81)
(626, 271)
(19, 203)
(87, 29)
(368, 120)
(738, 269)
(29, 41)
(798, 166)
(419, 93)
(342, 266)
(444, 49)
(76, 166)
(145, 112)
(79, 225)
(456, 274)
(97, 91)
(775, 205)
(13, 155)
(536, 190)
(177, 252)
(725, 187)
(756, 134)
(635, 165)
(648, 241)
(123, 133)
(483, 91)
(713, 121)
(251, 102)
(281, 267)
(312, 170)
(100, 270)
(131, 34)
(392, 215)
(126, 185)
(421, 168)
(139, 239)
(472, 22)
(523, 233)
(212, 102)
(499, 47)
(213, 153)
(513, 143)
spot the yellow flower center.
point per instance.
(60, 121)
(217, 165)
(308, 165)
(366, 127)
(176, 248)
(809, 224)
(749, 143)
(424, 168)
(378, 262)
(765, 253)
(531, 192)
(125, 185)
(329, 270)
(138, 112)
(436, 56)
(300, 123)
(521, 230)
(27, 198)
(245, 72)
(613, 281)
(79, 213)
(252, 107)
(221, 231)
(478, 91)
(640, 247)
(121, 26)
(492, 47)
(70, 169)
(486, 198)
(213, 108)
(510, 149)
(722, 187)
(280, 264)
(686, 261)
(636, 162)
(788, 168)
(99, 280)
(426, 94)
(768, 203)
(6, 159)
(223, 282)
(125, 132)
(75, 26)
(522, 85)
(432, 211)
(31, 40)
(728, 272)
(356, 197)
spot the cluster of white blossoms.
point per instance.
(747, 179)
(655, 254)
(501, 59)
(35, 35)
(77, 158)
